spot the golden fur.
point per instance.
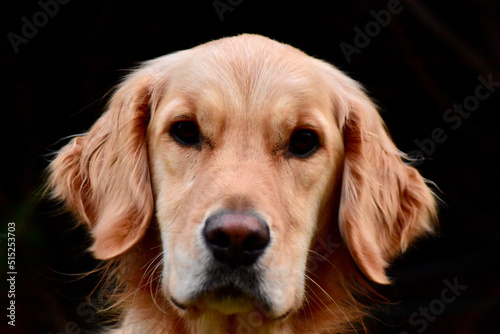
(335, 217)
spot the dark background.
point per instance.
(428, 58)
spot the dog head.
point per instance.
(245, 152)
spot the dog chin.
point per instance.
(228, 301)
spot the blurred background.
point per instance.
(432, 66)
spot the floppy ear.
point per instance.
(103, 176)
(385, 204)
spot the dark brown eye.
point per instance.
(303, 143)
(186, 133)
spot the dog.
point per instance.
(242, 186)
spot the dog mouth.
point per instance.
(231, 300)
(227, 300)
(228, 291)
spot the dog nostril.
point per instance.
(256, 241)
(236, 238)
(218, 238)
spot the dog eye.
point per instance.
(303, 143)
(186, 133)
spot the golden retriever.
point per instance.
(242, 186)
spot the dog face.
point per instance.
(254, 142)
(243, 152)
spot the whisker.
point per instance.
(333, 300)
(157, 287)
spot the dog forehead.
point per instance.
(252, 75)
(253, 68)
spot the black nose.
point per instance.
(236, 239)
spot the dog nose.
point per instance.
(236, 239)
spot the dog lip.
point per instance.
(178, 304)
(221, 293)
(231, 292)
(283, 316)
(234, 293)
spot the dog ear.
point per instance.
(385, 204)
(103, 176)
